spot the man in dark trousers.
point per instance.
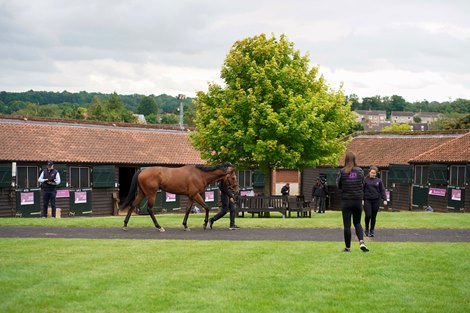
(49, 180)
(319, 194)
(228, 204)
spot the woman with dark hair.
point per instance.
(373, 191)
(351, 182)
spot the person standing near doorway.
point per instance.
(351, 182)
(49, 180)
(373, 191)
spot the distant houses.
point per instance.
(375, 120)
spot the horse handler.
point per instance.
(228, 204)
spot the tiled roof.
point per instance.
(402, 113)
(382, 150)
(453, 151)
(85, 143)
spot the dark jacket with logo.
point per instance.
(374, 189)
(351, 184)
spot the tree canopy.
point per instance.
(273, 112)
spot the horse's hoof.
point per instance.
(161, 229)
(125, 228)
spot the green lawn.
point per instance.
(331, 219)
(81, 275)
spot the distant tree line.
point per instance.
(164, 108)
(398, 103)
(455, 114)
(96, 106)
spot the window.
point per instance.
(27, 176)
(457, 175)
(421, 175)
(244, 179)
(80, 177)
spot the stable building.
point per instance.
(398, 157)
(96, 162)
(442, 176)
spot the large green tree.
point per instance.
(273, 112)
(110, 110)
(147, 106)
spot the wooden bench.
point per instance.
(300, 206)
(261, 205)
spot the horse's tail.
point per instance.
(132, 191)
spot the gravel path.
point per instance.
(281, 234)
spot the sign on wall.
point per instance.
(27, 198)
(437, 192)
(80, 197)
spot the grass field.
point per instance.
(331, 219)
(83, 275)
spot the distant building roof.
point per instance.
(90, 143)
(456, 150)
(402, 113)
(383, 149)
(370, 112)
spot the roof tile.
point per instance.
(23, 141)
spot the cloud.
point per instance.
(171, 47)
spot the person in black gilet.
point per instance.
(351, 182)
(49, 180)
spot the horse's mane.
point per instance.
(209, 168)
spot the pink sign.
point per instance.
(457, 194)
(387, 193)
(80, 197)
(170, 197)
(244, 193)
(27, 198)
(209, 196)
(63, 194)
(437, 192)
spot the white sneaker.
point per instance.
(363, 247)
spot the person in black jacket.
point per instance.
(49, 180)
(319, 194)
(351, 182)
(373, 191)
(228, 205)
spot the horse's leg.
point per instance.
(150, 204)
(186, 214)
(198, 199)
(134, 204)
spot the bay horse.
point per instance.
(188, 180)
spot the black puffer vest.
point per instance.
(49, 175)
(351, 184)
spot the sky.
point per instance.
(419, 50)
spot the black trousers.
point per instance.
(48, 196)
(371, 208)
(352, 208)
(227, 206)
